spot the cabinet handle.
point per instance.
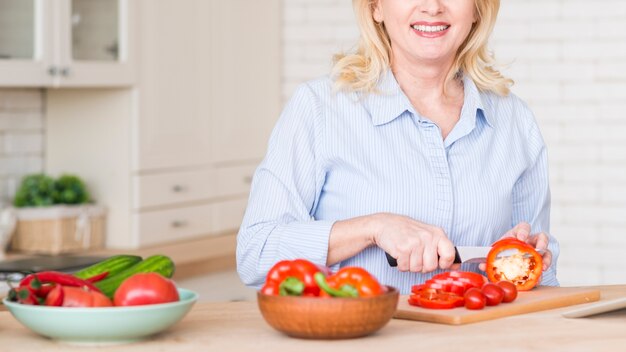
(53, 70)
(179, 223)
(65, 71)
(178, 188)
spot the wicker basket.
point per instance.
(59, 229)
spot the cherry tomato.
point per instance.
(145, 288)
(494, 294)
(474, 299)
(79, 297)
(510, 291)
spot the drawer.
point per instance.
(162, 226)
(173, 188)
(234, 180)
(227, 215)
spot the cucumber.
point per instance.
(113, 265)
(157, 263)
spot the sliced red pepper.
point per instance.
(434, 299)
(292, 278)
(528, 264)
(354, 280)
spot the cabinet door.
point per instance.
(26, 42)
(174, 78)
(245, 77)
(96, 46)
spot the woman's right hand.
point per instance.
(418, 247)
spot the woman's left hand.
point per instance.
(539, 241)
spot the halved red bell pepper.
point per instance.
(522, 269)
(292, 278)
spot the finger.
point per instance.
(521, 231)
(430, 260)
(445, 250)
(482, 267)
(547, 260)
(403, 263)
(416, 258)
(539, 241)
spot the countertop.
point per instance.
(192, 257)
(239, 326)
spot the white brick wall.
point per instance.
(568, 58)
(21, 137)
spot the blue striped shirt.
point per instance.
(334, 156)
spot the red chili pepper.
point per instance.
(44, 290)
(98, 277)
(527, 264)
(292, 278)
(34, 281)
(24, 295)
(350, 282)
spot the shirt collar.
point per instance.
(389, 101)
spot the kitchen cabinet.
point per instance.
(172, 157)
(66, 43)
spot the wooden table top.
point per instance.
(239, 326)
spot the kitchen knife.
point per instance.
(465, 254)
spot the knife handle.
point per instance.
(394, 263)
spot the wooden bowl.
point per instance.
(328, 318)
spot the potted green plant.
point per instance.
(56, 215)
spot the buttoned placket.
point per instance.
(437, 155)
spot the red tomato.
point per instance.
(79, 297)
(494, 294)
(55, 296)
(474, 299)
(145, 288)
(510, 291)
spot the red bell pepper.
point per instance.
(350, 282)
(522, 269)
(292, 278)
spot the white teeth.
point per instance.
(430, 29)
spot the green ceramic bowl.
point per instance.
(96, 326)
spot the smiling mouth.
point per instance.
(430, 29)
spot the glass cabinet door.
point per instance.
(95, 30)
(17, 30)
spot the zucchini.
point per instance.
(113, 265)
(154, 264)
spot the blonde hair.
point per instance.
(361, 70)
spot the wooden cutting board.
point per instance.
(540, 298)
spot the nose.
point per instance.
(431, 7)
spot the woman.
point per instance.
(412, 146)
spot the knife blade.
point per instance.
(468, 254)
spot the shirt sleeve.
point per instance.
(278, 223)
(531, 197)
